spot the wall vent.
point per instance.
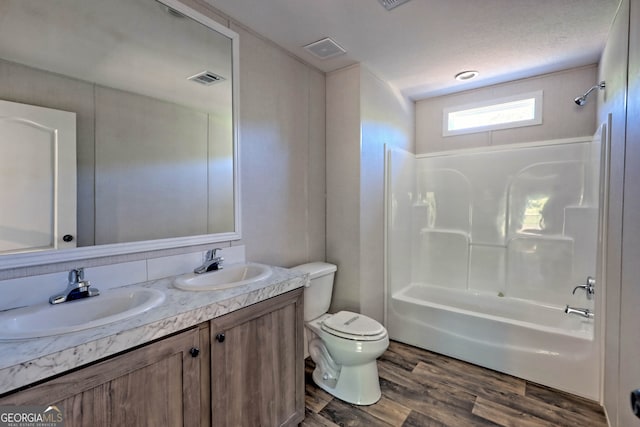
(206, 78)
(325, 48)
(391, 4)
(171, 11)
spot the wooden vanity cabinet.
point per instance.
(155, 385)
(257, 364)
(245, 368)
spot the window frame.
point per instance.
(537, 119)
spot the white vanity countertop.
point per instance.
(24, 362)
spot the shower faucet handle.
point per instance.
(589, 287)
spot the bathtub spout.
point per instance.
(584, 312)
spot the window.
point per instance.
(503, 113)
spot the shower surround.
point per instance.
(484, 248)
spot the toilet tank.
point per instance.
(317, 295)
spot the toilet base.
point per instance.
(359, 385)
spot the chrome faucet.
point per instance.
(584, 312)
(589, 287)
(76, 288)
(211, 262)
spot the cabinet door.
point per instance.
(155, 385)
(257, 366)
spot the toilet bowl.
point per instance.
(345, 360)
(344, 345)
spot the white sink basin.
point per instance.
(44, 319)
(229, 277)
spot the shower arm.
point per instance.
(600, 85)
(582, 100)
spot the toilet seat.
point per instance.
(353, 326)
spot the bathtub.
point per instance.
(536, 342)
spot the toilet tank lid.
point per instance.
(317, 269)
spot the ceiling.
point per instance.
(134, 46)
(419, 46)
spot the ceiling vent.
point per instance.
(206, 78)
(325, 48)
(391, 4)
(171, 11)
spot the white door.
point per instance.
(37, 178)
(630, 289)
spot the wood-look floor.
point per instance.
(421, 388)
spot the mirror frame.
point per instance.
(27, 259)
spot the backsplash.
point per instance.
(37, 289)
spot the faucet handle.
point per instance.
(211, 254)
(76, 278)
(589, 287)
(76, 275)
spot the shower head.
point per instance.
(581, 100)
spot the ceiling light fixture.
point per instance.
(463, 76)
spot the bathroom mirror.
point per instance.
(153, 89)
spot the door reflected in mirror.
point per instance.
(152, 89)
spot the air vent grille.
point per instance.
(325, 48)
(206, 78)
(173, 12)
(391, 4)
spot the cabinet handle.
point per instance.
(194, 352)
(220, 337)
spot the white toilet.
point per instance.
(345, 345)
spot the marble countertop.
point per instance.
(23, 362)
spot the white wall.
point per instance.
(612, 109)
(630, 286)
(613, 70)
(363, 114)
(134, 142)
(281, 154)
(386, 118)
(562, 118)
(343, 185)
